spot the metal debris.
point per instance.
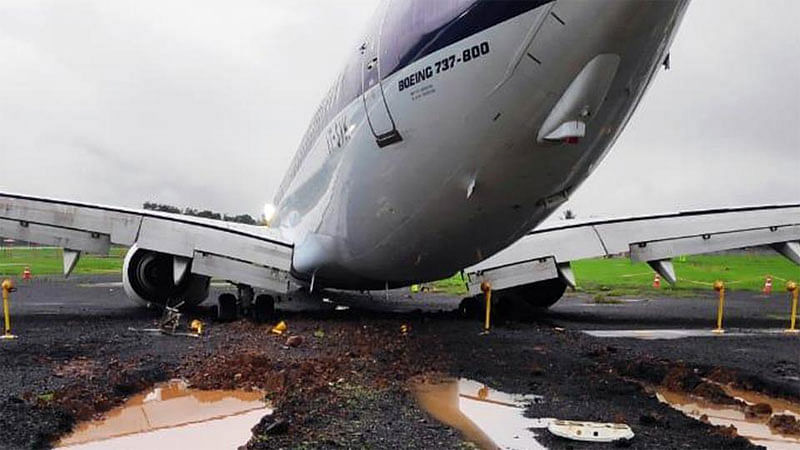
(590, 431)
(280, 328)
(170, 323)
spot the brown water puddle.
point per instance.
(171, 415)
(755, 429)
(489, 418)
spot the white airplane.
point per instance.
(455, 128)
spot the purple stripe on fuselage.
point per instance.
(405, 39)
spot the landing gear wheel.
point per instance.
(226, 308)
(263, 308)
(470, 308)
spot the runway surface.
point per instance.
(75, 356)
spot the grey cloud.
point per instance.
(203, 102)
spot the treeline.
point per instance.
(206, 213)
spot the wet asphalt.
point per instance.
(58, 321)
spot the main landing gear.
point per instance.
(518, 303)
(260, 308)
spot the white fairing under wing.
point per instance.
(245, 254)
(546, 252)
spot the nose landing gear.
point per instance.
(264, 308)
(227, 308)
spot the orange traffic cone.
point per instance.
(657, 281)
(26, 274)
(767, 286)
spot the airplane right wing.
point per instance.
(546, 252)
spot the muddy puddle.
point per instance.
(754, 428)
(170, 416)
(486, 417)
(650, 335)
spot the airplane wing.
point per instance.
(546, 252)
(256, 256)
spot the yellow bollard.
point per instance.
(197, 327)
(486, 287)
(791, 286)
(8, 287)
(719, 286)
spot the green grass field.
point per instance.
(608, 277)
(48, 261)
(743, 271)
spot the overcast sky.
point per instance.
(203, 102)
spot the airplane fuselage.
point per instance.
(458, 126)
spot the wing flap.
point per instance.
(87, 241)
(505, 277)
(122, 226)
(712, 242)
(652, 239)
(230, 269)
(617, 235)
(184, 239)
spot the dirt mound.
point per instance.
(758, 410)
(729, 431)
(681, 379)
(785, 424)
(714, 393)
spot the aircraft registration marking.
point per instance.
(338, 134)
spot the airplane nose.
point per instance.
(577, 31)
(610, 20)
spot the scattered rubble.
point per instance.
(271, 425)
(785, 424)
(714, 393)
(347, 385)
(729, 431)
(653, 419)
(294, 341)
(758, 410)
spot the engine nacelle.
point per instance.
(519, 302)
(148, 279)
(539, 295)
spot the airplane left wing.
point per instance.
(256, 256)
(546, 252)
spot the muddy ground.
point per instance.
(347, 384)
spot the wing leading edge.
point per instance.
(251, 255)
(546, 252)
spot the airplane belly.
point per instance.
(472, 175)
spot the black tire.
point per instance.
(263, 308)
(226, 308)
(470, 308)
